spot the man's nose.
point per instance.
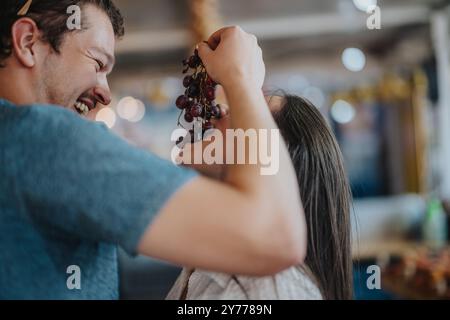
(102, 92)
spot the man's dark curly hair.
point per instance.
(51, 18)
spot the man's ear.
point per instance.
(25, 36)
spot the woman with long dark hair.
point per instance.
(325, 193)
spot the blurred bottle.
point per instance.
(435, 225)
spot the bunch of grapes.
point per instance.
(197, 102)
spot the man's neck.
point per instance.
(16, 87)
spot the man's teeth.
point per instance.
(82, 108)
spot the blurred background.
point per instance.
(385, 90)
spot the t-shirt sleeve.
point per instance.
(75, 177)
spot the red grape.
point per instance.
(196, 110)
(188, 117)
(187, 81)
(210, 93)
(182, 102)
(198, 99)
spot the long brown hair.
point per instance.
(325, 193)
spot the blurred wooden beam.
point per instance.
(334, 23)
(278, 28)
(205, 19)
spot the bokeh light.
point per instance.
(107, 116)
(354, 59)
(342, 112)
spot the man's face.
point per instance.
(76, 78)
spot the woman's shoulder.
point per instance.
(296, 283)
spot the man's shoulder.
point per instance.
(58, 120)
(52, 114)
(42, 125)
(39, 114)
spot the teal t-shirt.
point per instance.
(70, 193)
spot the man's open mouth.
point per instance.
(83, 106)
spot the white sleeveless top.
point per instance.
(296, 283)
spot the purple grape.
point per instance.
(193, 91)
(188, 117)
(210, 93)
(187, 81)
(194, 62)
(198, 100)
(196, 110)
(215, 111)
(190, 104)
(182, 102)
(210, 82)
